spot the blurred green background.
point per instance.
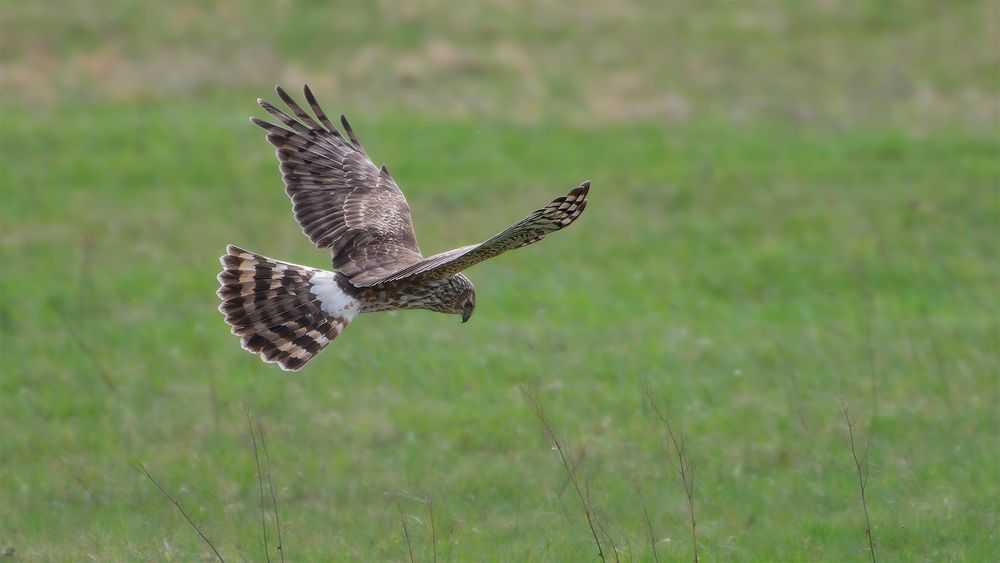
(793, 203)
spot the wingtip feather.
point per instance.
(284, 95)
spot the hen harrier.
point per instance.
(288, 313)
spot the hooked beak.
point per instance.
(465, 315)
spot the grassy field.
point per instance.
(792, 205)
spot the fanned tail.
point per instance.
(276, 308)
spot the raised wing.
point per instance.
(340, 198)
(556, 215)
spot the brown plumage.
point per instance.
(288, 313)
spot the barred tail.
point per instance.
(275, 307)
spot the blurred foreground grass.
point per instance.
(803, 208)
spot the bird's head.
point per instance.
(458, 296)
(454, 296)
(468, 303)
(464, 296)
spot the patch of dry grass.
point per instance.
(821, 63)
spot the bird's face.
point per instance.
(465, 296)
(454, 296)
(469, 304)
(458, 297)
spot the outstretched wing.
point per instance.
(561, 212)
(340, 198)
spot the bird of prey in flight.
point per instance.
(287, 313)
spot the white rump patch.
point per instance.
(333, 300)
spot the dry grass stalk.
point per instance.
(260, 484)
(406, 530)
(270, 485)
(142, 468)
(434, 543)
(87, 352)
(683, 465)
(571, 466)
(649, 524)
(861, 465)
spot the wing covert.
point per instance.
(339, 197)
(558, 214)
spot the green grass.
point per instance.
(754, 268)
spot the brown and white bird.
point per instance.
(288, 313)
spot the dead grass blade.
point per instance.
(142, 468)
